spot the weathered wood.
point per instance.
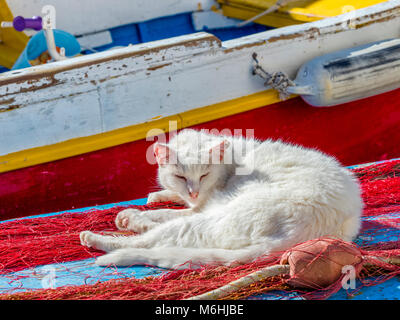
(128, 86)
(88, 16)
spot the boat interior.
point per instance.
(225, 19)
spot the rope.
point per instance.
(236, 285)
(279, 4)
(277, 80)
(373, 261)
(273, 271)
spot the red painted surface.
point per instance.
(358, 132)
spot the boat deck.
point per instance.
(381, 224)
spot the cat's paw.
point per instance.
(155, 197)
(88, 239)
(124, 219)
(98, 241)
(133, 220)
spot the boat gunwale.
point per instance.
(360, 18)
(48, 70)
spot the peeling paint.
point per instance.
(208, 41)
(245, 46)
(27, 84)
(122, 89)
(159, 67)
(9, 108)
(7, 101)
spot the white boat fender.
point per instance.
(342, 76)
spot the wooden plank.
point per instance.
(88, 16)
(48, 121)
(166, 78)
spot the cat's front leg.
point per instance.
(98, 241)
(165, 196)
(109, 243)
(142, 221)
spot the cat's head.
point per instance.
(191, 169)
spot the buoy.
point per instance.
(342, 76)
(319, 263)
(350, 74)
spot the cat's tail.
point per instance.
(178, 258)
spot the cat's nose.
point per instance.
(194, 195)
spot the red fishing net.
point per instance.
(26, 243)
(374, 254)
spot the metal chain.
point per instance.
(277, 80)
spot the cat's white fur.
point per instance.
(268, 197)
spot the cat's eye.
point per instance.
(180, 177)
(203, 176)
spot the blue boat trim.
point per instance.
(173, 26)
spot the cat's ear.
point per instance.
(217, 153)
(164, 154)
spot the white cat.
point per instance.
(247, 199)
